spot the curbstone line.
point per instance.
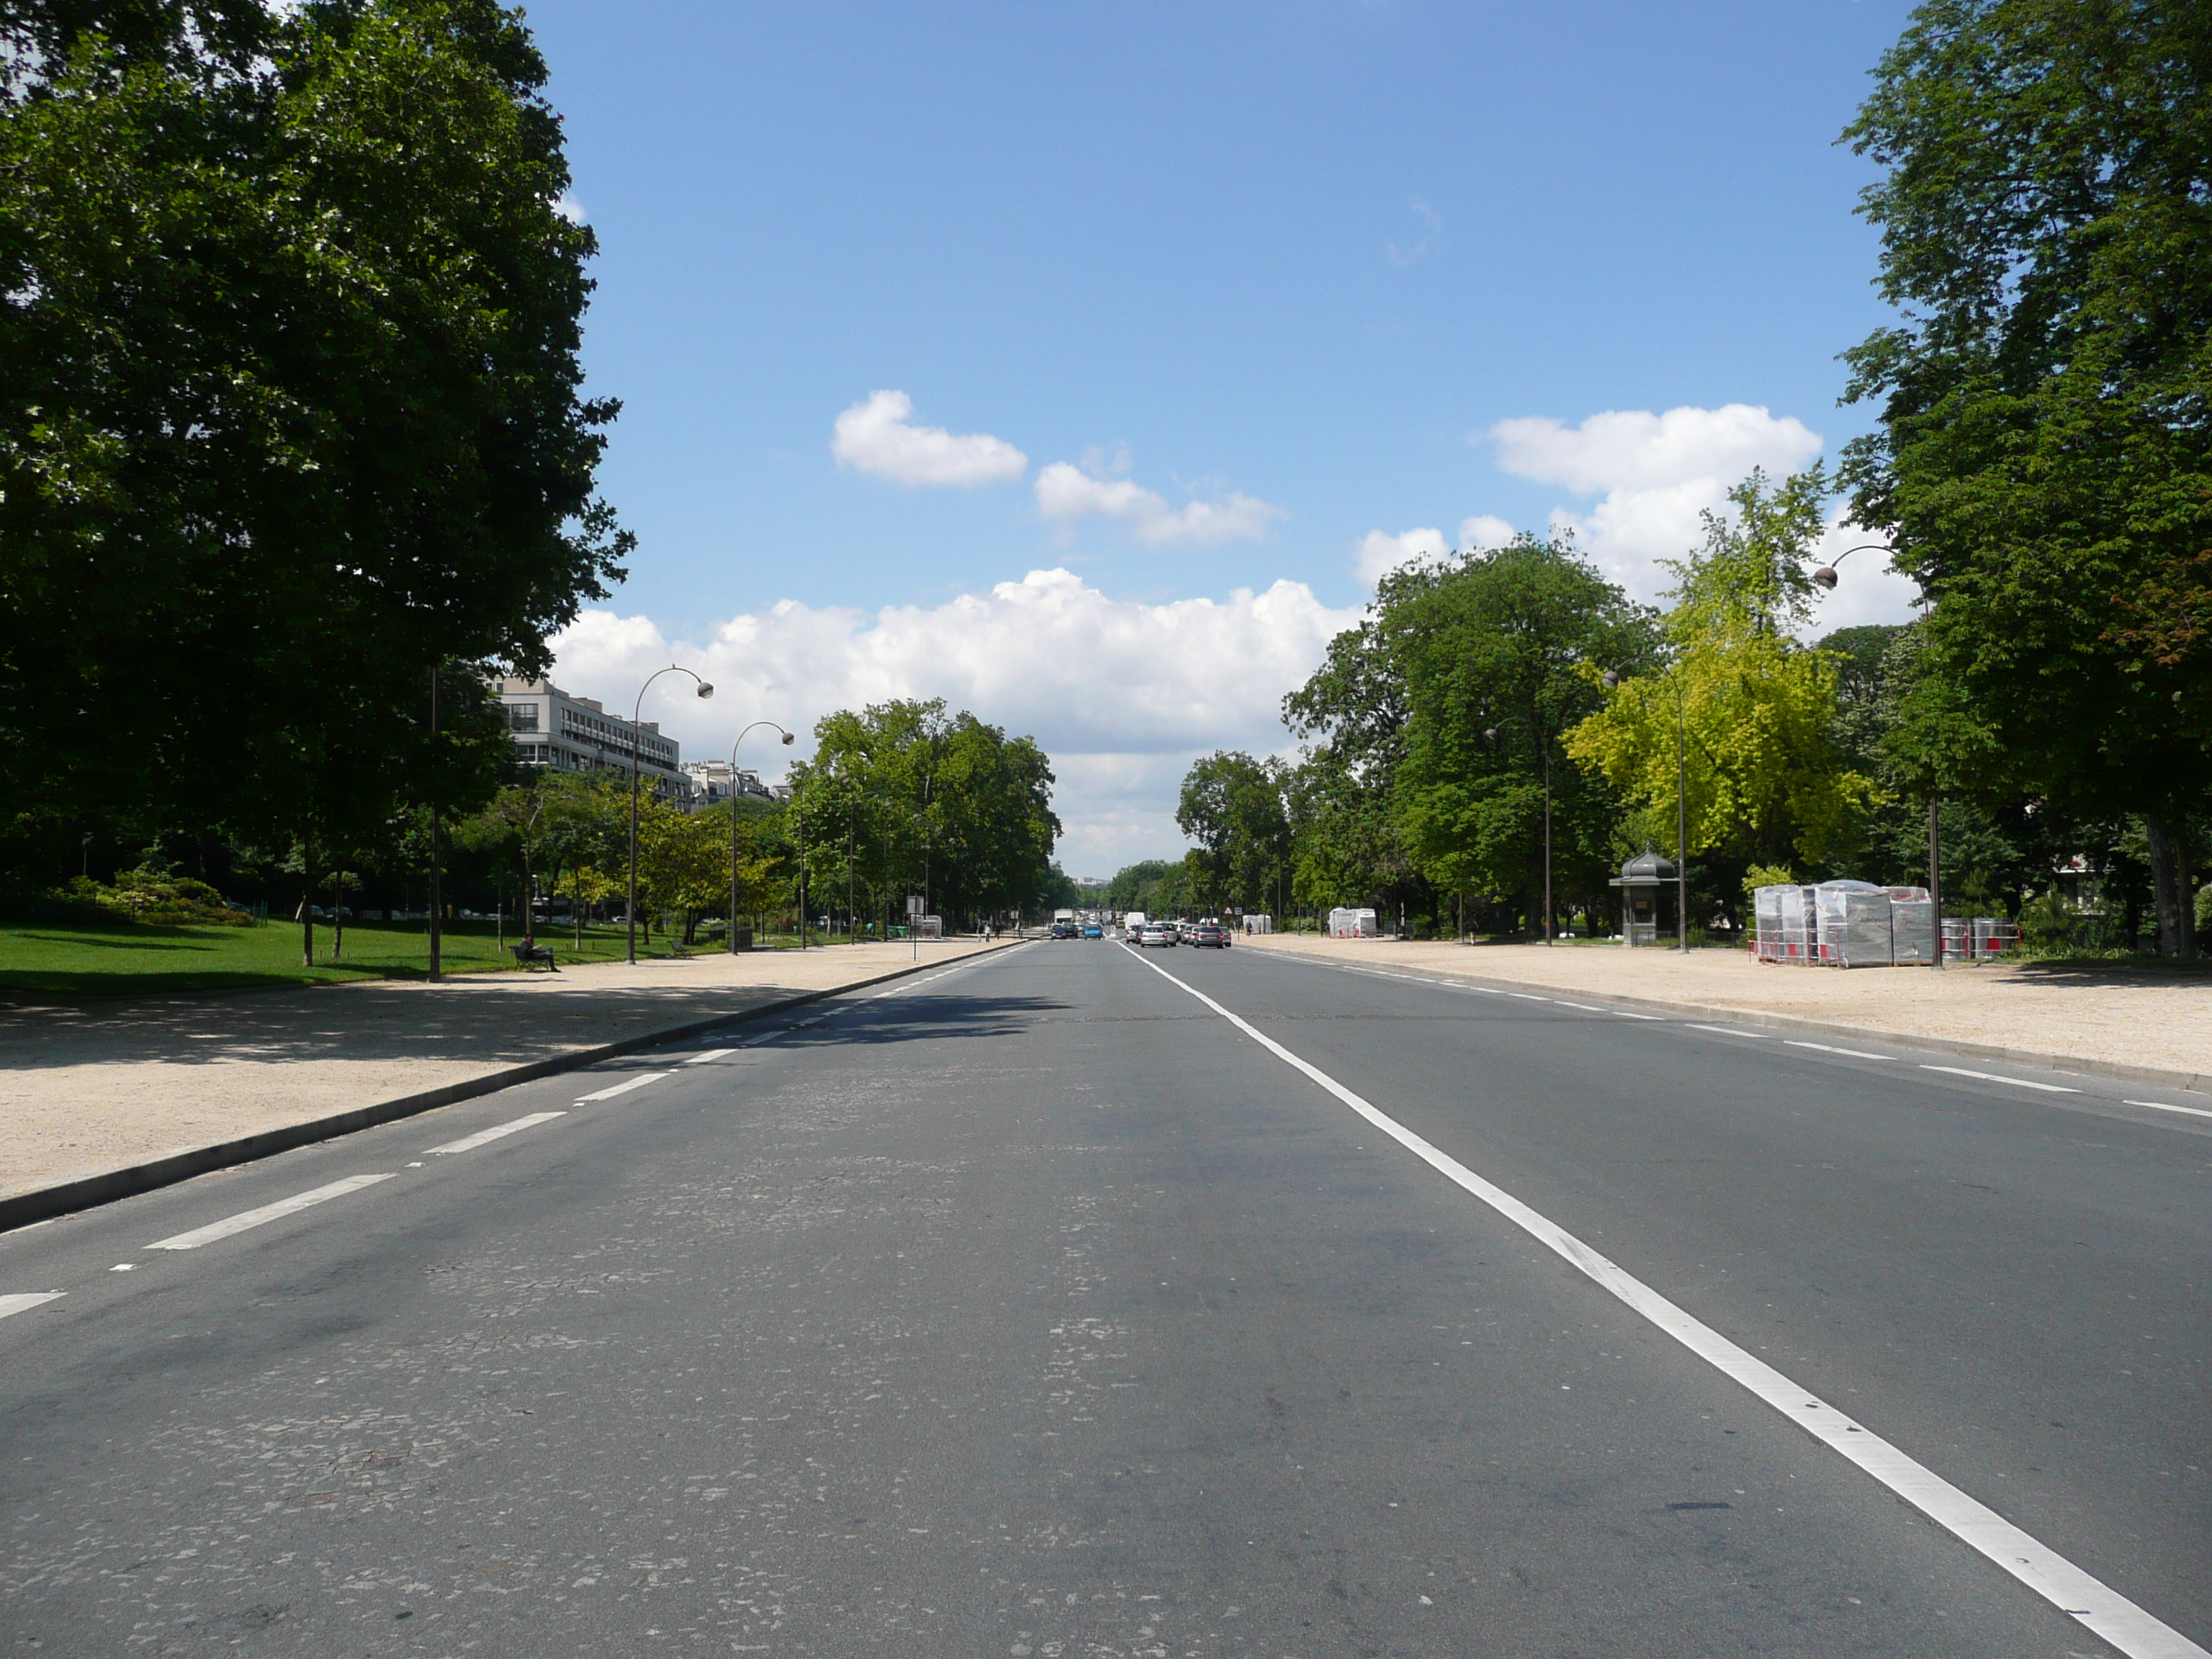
(62, 1198)
(2194, 1082)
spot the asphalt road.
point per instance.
(1037, 1308)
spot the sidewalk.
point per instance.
(86, 1088)
(2129, 1018)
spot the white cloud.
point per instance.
(1484, 530)
(874, 436)
(1866, 590)
(1067, 494)
(1379, 553)
(570, 208)
(1122, 695)
(1654, 475)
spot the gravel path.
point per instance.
(2124, 1015)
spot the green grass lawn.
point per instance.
(125, 959)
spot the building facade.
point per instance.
(565, 733)
(711, 783)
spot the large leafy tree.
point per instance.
(1735, 730)
(1231, 805)
(1491, 653)
(290, 404)
(2045, 455)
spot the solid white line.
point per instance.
(2050, 1575)
(1830, 1049)
(1991, 1076)
(2160, 1106)
(637, 1082)
(470, 1143)
(1722, 1030)
(711, 1054)
(282, 1206)
(22, 1299)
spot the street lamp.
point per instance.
(636, 750)
(1827, 577)
(1611, 678)
(788, 741)
(1490, 734)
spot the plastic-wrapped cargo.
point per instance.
(1785, 925)
(1912, 930)
(1854, 922)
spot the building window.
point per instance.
(522, 717)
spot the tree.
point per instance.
(2044, 460)
(1490, 652)
(1752, 711)
(1232, 806)
(294, 416)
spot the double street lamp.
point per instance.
(636, 752)
(787, 740)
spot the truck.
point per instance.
(1133, 923)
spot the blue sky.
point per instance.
(1295, 263)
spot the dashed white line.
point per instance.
(637, 1082)
(470, 1143)
(1525, 996)
(711, 1054)
(22, 1299)
(1991, 1076)
(1623, 1013)
(2096, 1606)
(2161, 1106)
(1722, 1030)
(282, 1206)
(1830, 1049)
(1587, 1008)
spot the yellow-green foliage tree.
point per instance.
(1765, 784)
(683, 863)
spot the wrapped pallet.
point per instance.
(1854, 924)
(1785, 924)
(1912, 929)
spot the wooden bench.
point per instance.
(533, 956)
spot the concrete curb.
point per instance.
(2194, 1082)
(61, 1198)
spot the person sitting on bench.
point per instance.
(530, 955)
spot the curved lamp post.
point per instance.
(636, 750)
(1826, 575)
(788, 740)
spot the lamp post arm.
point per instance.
(636, 754)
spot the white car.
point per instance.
(1156, 932)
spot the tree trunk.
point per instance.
(307, 907)
(2173, 893)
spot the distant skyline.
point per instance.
(1085, 368)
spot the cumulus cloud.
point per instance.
(1379, 552)
(874, 436)
(1067, 494)
(1122, 694)
(1484, 530)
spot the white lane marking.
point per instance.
(2160, 1106)
(282, 1206)
(124, 1267)
(1722, 1030)
(711, 1054)
(1525, 996)
(470, 1143)
(2099, 1607)
(22, 1299)
(637, 1082)
(1830, 1049)
(1587, 1008)
(1623, 1013)
(1991, 1076)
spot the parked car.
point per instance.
(1157, 932)
(1210, 933)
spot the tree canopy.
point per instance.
(2044, 459)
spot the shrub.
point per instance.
(154, 897)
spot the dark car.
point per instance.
(1209, 933)
(1065, 930)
